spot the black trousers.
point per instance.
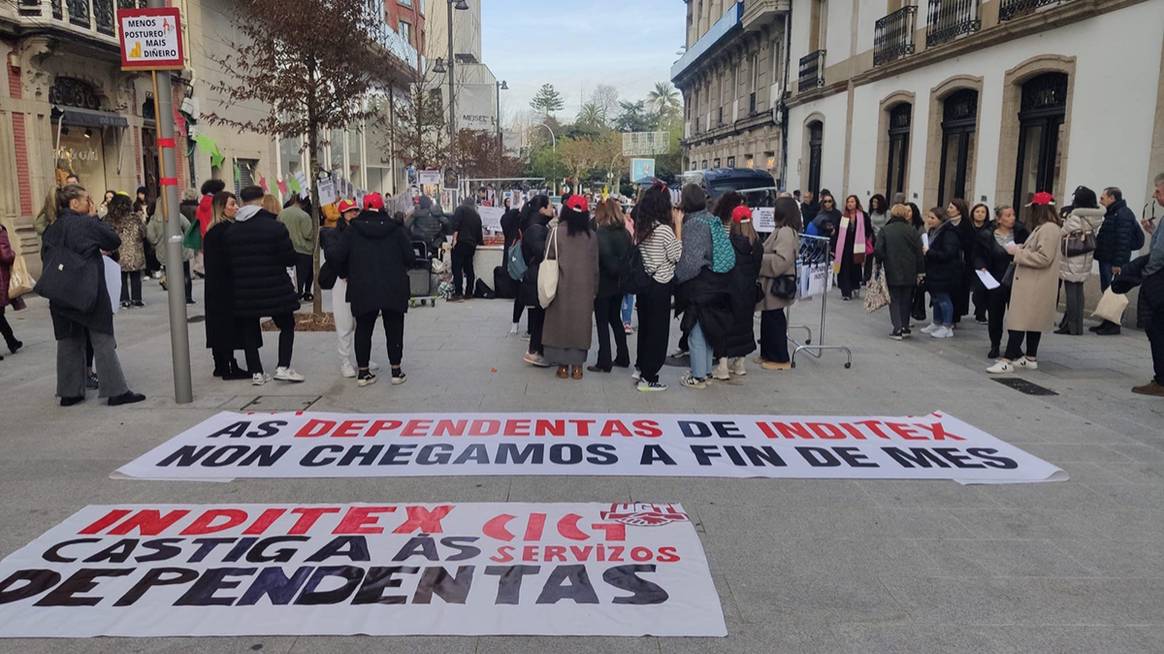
(393, 334)
(464, 279)
(608, 318)
(304, 274)
(900, 306)
(131, 286)
(188, 280)
(1014, 344)
(537, 320)
(1155, 331)
(981, 305)
(654, 329)
(286, 324)
(6, 330)
(223, 357)
(774, 335)
(1073, 316)
(517, 308)
(996, 303)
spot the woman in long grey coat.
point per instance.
(1034, 290)
(567, 331)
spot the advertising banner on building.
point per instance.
(377, 569)
(935, 446)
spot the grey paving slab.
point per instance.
(800, 565)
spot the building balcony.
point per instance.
(718, 32)
(758, 13)
(893, 35)
(812, 67)
(396, 45)
(93, 18)
(950, 19)
(1016, 8)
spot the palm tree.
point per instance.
(664, 98)
(590, 115)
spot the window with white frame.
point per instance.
(406, 31)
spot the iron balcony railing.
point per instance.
(1014, 8)
(949, 19)
(811, 71)
(893, 35)
(96, 17)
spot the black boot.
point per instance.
(234, 373)
(220, 366)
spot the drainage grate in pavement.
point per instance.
(280, 403)
(1024, 386)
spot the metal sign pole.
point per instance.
(168, 165)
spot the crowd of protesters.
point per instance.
(698, 264)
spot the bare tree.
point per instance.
(310, 78)
(605, 98)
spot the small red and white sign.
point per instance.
(151, 39)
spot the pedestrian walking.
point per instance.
(979, 223)
(1151, 300)
(84, 312)
(467, 237)
(778, 269)
(704, 288)
(374, 254)
(341, 309)
(993, 257)
(296, 218)
(131, 256)
(1118, 237)
(827, 220)
(740, 340)
(851, 245)
(533, 250)
(1035, 286)
(614, 244)
(574, 246)
(7, 261)
(224, 334)
(899, 249)
(1082, 222)
(260, 252)
(943, 267)
(661, 250)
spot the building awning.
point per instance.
(88, 117)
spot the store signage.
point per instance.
(151, 39)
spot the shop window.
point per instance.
(959, 127)
(1041, 118)
(900, 118)
(731, 162)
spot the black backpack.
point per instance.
(634, 278)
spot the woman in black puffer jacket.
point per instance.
(944, 271)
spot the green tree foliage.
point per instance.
(547, 100)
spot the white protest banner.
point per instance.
(491, 218)
(430, 177)
(327, 194)
(935, 446)
(150, 39)
(377, 569)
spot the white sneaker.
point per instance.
(721, 371)
(1000, 367)
(512, 330)
(288, 375)
(637, 375)
(1027, 364)
(258, 379)
(347, 370)
(738, 368)
(931, 328)
(942, 332)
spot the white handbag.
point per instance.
(1111, 306)
(548, 273)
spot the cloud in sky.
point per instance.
(577, 45)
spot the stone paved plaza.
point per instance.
(800, 565)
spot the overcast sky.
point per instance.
(577, 45)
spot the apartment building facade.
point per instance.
(733, 74)
(987, 100)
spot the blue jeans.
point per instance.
(628, 308)
(701, 353)
(943, 308)
(1105, 275)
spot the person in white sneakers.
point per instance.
(345, 324)
(943, 268)
(260, 251)
(1035, 289)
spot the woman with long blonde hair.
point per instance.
(614, 242)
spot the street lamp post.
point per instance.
(459, 5)
(501, 86)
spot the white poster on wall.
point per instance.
(934, 446)
(377, 569)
